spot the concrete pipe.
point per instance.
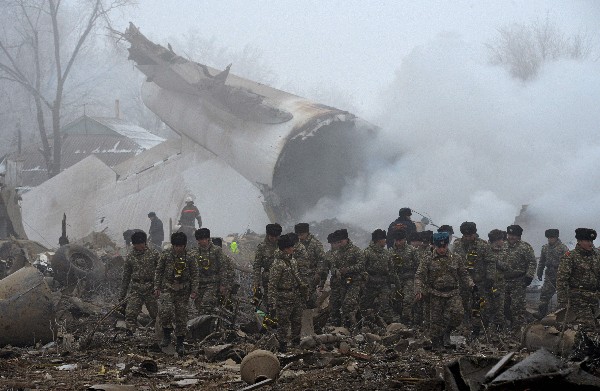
(259, 365)
(26, 309)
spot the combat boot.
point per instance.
(166, 337)
(179, 348)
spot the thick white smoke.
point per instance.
(462, 140)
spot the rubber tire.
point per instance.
(72, 263)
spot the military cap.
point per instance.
(495, 235)
(585, 234)
(273, 229)
(551, 233)
(151, 214)
(342, 234)
(294, 237)
(331, 238)
(468, 228)
(427, 236)
(301, 228)
(405, 212)
(440, 238)
(202, 233)
(217, 242)
(514, 230)
(378, 234)
(398, 234)
(138, 237)
(284, 242)
(178, 239)
(415, 236)
(446, 228)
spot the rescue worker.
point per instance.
(406, 261)
(187, 220)
(175, 282)
(521, 269)
(549, 260)
(138, 281)
(328, 266)
(442, 274)
(578, 280)
(497, 255)
(215, 273)
(156, 232)
(286, 291)
(403, 222)
(263, 259)
(309, 271)
(375, 303)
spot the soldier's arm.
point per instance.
(542, 263)
(421, 278)
(562, 281)
(194, 275)
(274, 276)
(158, 274)
(257, 266)
(463, 275)
(491, 270)
(359, 265)
(127, 271)
(531, 264)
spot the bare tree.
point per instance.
(35, 26)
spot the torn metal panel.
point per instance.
(11, 223)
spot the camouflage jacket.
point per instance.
(139, 268)
(498, 256)
(176, 272)
(213, 266)
(550, 258)
(263, 259)
(326, 266)
(348, 262)
(578, 270)
(379, 265)
(475, 256)
(316, 256)
(520, 259)
(283, 278)
(406, 261)
(441, 275)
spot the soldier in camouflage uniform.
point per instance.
(521, 269)
(474, 253)
(450, 230)
(406, 262)
(175, 282)
(309, 270)
(578, 280)
(442, 274)
(497, 255)
(335, 296)
(423, 247)
(215, 273)
(263, 258)
(379, 266)
(549, 259)
(285, 292)
(138, 279)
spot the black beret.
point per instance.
(378, 234)
(217, 242)
(342, 234)
(446, 228)
(202, 233)
(415, 236)
(551, 233)
(294, 237)
(468, 228)
(585, 234)
(399, 234)
(178, 239)
(273, 229)
(284, 242)
(495, 235)
(301, 228)
(405, 212)
(138, 237)
(514, 230)
(151, 214)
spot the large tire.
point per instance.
(72, 263)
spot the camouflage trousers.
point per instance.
(406, 306)
(495, 309)
(581, 306)
(514, 302)
(350, 301)
(288, 307)
(376, 299)
(548, 290)
(173, 309)
(208, 298)
(445, 314)
(140, 294)
(335, 301)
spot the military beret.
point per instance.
(273, 229)
(342, 234)
(217, 242)
(551, 233)
(440, 238)
(378, 234)
(202, 233)
(415, 236)
(178, 239)
(514, 230)
(398, 234)
(495, 235)
(151, 214)
(405, 212)
(284, 242)
(585, 234)
(138, 237)
(446, 228)
(468, 228)
(301, 228)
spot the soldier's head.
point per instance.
(285, 244)
(440, 242)
(468, 229)
(202, 237)
(342, 237)
(273, 232)
(302, 230)
(405, 212)
(496, 238)
(585, 238)
(378, 237)
(447, 228)
(552, 235)
(332, 240)
(151, 215)
(399, 236)
(415, 239)
(513, 233)
(217, 242)
(426, 239)
(138, 240)
(178, 242)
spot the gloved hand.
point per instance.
(527, 280)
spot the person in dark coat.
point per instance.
(156, 233)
